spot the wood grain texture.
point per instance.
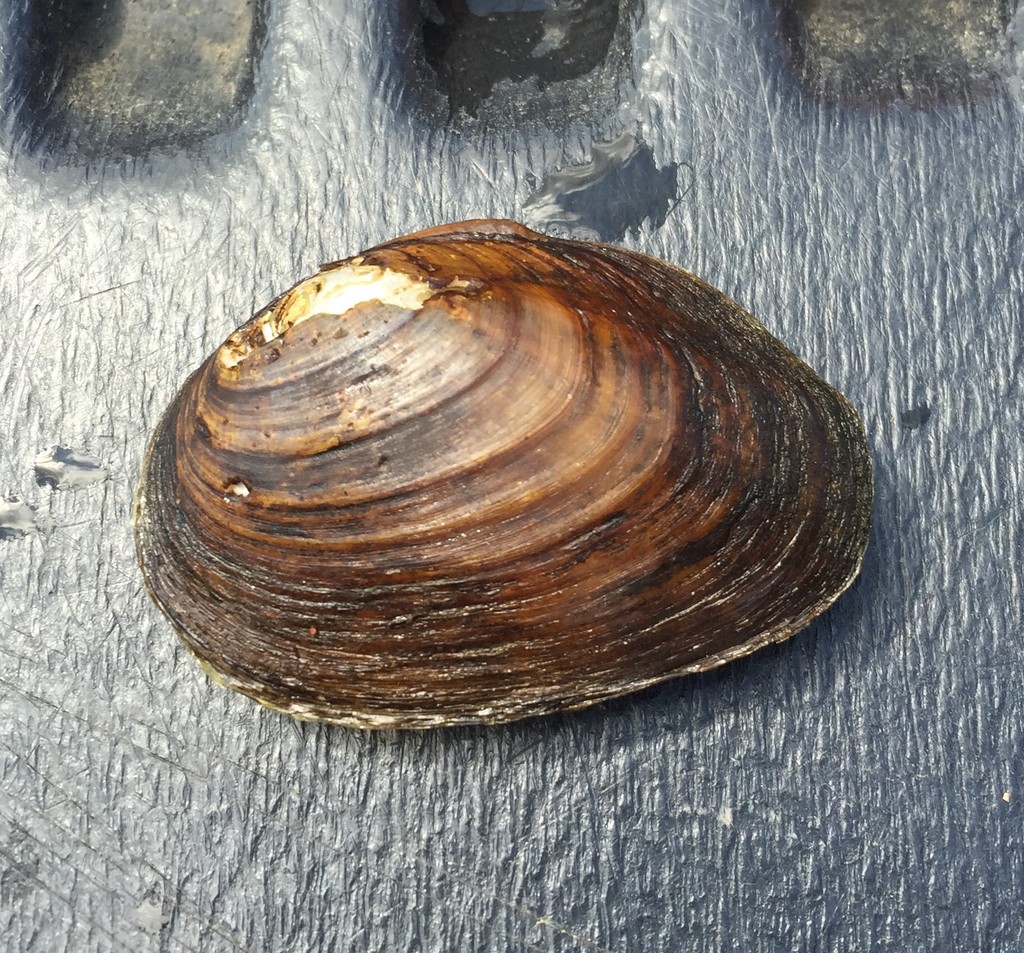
(844, 791)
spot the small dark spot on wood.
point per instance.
(20, 874)
(916, 417)
(382, 459)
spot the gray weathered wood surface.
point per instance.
(859, 788)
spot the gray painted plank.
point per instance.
(859, 788)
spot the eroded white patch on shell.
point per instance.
(334, 291)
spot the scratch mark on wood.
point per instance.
(51, 891)
(69, 836)
(532, 916)
(103, 291)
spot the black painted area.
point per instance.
(619, 189)
(511, 61)
(19, 867)
(95, 78)
(916, 416)
(872, 52)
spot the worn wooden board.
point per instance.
(859, 788)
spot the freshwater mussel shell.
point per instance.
(476, 474)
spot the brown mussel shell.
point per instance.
(476, 474)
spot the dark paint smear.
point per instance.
(916, 416)
(20, 874)
(90, 79)
(869, 53)
(619, 189)
(474, 45)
